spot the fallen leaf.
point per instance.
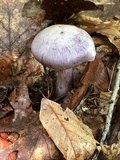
(102, 2)
(15, 29)
(109, 9)
(70, 135)
(113, 34)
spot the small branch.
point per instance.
(112, 103)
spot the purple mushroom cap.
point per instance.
(63, 47)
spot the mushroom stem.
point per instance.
(64, 81)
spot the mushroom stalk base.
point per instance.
(64, 81)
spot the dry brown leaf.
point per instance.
(74, 139)
(15, 29)
(102, 2)
(108, 8)
(113, 34)
(96, 21)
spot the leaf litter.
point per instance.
(19, 22)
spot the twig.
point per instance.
(112, 103)
(89, 90)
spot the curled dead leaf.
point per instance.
(113, 34)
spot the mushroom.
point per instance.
(63, 47)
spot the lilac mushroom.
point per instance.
(63, 47)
